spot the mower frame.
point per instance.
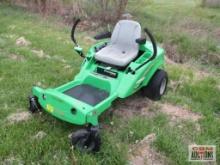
(111, 81)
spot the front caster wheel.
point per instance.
(33, 104)
(86, 140)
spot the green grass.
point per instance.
(200, 95)
(184, 24)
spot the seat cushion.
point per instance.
(116, 56)
(122, 48)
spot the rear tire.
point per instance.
(157, 86)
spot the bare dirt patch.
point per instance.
(16, 57)
(18, 117)
(200, 74)
(89, 40)
(142, 153)
(5, 106)
(67, 67)
(40, 84)
(186, 68)
(40, 135)
(216, 33)
(214, 59)
(22, 42)
(211, 3)
(169, 61)
(133, 105)
(177, 113)
(12, 160)
(218, 87)
(11, 27)
(193, 28)
(175, 85)
(59, 58)
(41, 54)
(172, 53)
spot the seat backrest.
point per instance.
(125, 34)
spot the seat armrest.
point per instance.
(98, 48)
(141, 41)
(103, 35)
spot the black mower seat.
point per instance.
(122, 48)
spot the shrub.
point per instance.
(104, 11)
(211, 3)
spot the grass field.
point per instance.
(191, 36)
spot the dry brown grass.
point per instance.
(211, 3)
(102, 11)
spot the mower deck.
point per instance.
(87, 94)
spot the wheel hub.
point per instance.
(163, 86)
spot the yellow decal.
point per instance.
(49, 108)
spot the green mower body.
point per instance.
(114, 68)
(93, 90)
